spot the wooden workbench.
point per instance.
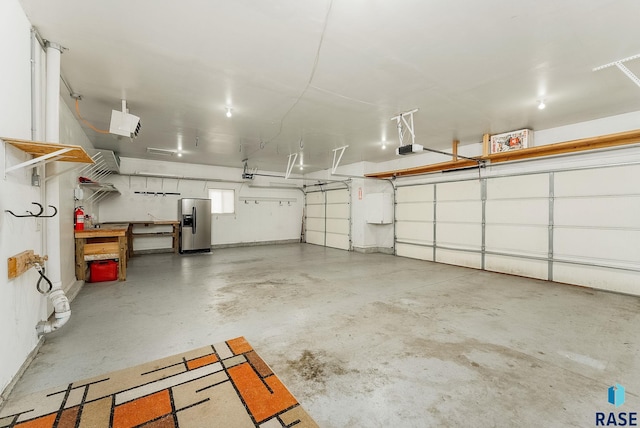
(107, 242)
(132, 234)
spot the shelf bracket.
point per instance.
(39, 159)
(403, 125)
(290, 163)
(335, 163)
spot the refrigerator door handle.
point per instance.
(193, 216)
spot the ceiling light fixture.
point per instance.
(541, 105)
(384, 146)
(158, 151)
(228, 111)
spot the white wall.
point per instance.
(21, 306)
(265, 221)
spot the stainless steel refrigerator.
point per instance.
(195, 225)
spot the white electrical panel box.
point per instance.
(379, 208)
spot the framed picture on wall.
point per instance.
(513, 140)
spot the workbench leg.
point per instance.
(175, 238)
(81, 265)
(122, 261)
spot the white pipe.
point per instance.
(62, 311)
(59, 300)
(52, 135)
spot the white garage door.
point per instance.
(596, 228)
(414, 222)
(459, 223)
(328, 220)
(517, 225)
(578, 226)
(440, 222)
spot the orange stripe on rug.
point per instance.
(42, 422)
(141, 410)
(202, 361)
(239, 345)
(261, 402)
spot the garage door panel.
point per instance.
(459, 235)
(419, 211)
(467, 211)
(338, 226)
(526, 186)
(459, 191)
(414, 251)
(531, 211)
(421, 232)
(597, 245)
(315, 237)
(415, 194)
(316, 211)
(338, 211)
(338, 241)
(328, 219)
(597, 181)
(517, 266)
(315, 198)
(525, 240)
(337, 196)
(592, 276)
(618, 211)
(315, 224)
(459, 258)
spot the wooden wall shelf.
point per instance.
(47, 152)
(568, 147)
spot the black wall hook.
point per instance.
(39, 214)
(55, 211)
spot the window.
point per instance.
(222, 201)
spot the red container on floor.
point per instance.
(104, 270)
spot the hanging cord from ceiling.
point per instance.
(304, 91)
(100, 131)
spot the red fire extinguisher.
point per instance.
(78, 219)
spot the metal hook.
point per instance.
(41, 210)
(30, 213)
(55, 211)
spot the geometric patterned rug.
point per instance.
(223, 385)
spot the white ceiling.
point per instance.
(311, 75)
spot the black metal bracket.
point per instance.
(39, 214)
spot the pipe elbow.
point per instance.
(62, 313)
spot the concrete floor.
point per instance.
(366, 340)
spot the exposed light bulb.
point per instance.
(179, 155)
(228, 111)
(541, 105)
(384, 146)
(301, 168)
